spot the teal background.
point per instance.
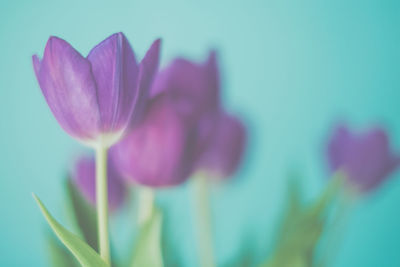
(292, 68)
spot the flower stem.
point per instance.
(102, 203)
(204, 233)
(146, 204)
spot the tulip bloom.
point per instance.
(223, 154)
(366, 159)
(192, 88)
(94, 98)
(193, 91)
(158, 152)
(84, 176)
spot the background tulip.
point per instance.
(192, 88)
(84, 176)
(193, 91)
(158, 152)
(223, 154)
(93, 98)
(365, 158)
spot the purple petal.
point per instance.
(156, 153)
(147, 70)
(116, 73)
(36, 64)
(224, 153)
(192, 88)
(85, 179)
(337, 147)
(67, 83)
(366, 158)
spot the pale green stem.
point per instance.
(146, 204)
(102, 203)
(337, 227)
(204, 231)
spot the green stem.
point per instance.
(204, 233)
(102, 203)
(146, 204)
(335, 230)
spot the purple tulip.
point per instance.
(192, 88)
(365, 158)
(222, 156)
(158, 152)
(84, 176)
(95, 98)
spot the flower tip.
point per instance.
(53, 38)
(155, 47)
(212, 55)
(54, 42)
(152, 57)
(36, 64)
(119, 35)
(157, 42)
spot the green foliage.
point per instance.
(84, 215)
(86, 256)
(302, 227)
(59, 256)
(147, 250)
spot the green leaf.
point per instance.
(147, 251)
(84, 214)
(59, 255)
(302, 226)
(86, 256)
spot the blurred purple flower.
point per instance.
(95, 97)
(222, 156)
(366, 158)
(192, 88)
(84, 176)
(158, 152)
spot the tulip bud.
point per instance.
(94, 98)
(365, 158)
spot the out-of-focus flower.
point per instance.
(366, 158)
(84, 176)
(223, 154)
(94, 98)
(158, 152)
(192, 88)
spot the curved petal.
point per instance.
(192, 87)
(115, 70)
(36, 64)
(225, 151)
(147, 70)
(156, 153)
(67, 83)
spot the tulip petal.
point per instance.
(67, 83)
(36, 64)
(366, 158)
(115, 70)
(190, 86)
(156, 153)
(147, 70)
(225, 151)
